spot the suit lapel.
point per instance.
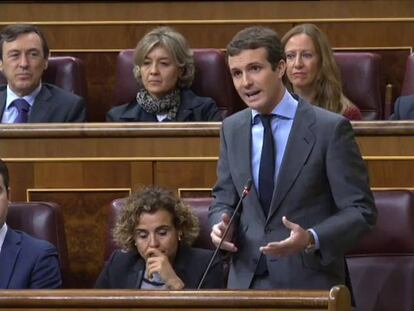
(186, 106)
(41, 107)
(242, 135)
(188, 103)
(8, 257)
(242, 159)
(300, 144)
(135, 274)
(2, 102)
(181, 265)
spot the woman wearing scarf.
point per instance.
(164, 64)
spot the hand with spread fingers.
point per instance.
(297, 241)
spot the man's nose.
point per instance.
(246, 80)
(23, 61)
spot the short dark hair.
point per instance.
(255, 37)
(11, 32)
(4, 171)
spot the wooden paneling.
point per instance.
(383, 173)
(336, 299)
(141, 174)
(216, 34)
(189, 174)
(84, 166)
(122, 155)
(203, 10)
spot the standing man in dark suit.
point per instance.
(25, 262)
(24, 54)
(403, 108)
(310, 203)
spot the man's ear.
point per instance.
(281, 68)
(47, 61)
(9, 194)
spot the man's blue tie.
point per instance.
(267, 165)
(266, 179)
(23, 108)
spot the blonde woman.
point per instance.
(164, 64)
(312, 72)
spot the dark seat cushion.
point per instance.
(408, 84)
(43, 220)
(382, 266)
(362, 82)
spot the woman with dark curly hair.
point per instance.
(155, 231)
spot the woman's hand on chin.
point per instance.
(158, 262)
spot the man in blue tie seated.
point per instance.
(310, 201)
(403, 108)
(25, 262)
(24, 54)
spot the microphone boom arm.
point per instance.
(246, 190)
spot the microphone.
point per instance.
(245, 191)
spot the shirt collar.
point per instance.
(3, 231)
(11, 96)
(285, 109)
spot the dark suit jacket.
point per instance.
(192, 108)
(403, 108)
(126, 269)
(322, 184)
(28, 263)
(52, 104)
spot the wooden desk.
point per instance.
(85, 166)
(337, 299)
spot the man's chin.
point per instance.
(254, 104)
(24, 88)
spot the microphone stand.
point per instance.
(246, 190)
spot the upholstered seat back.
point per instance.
(114, 210)
(382, 265)
(200, 206)
(67, 72)
(408, 84)
(42, 220)
(362, 82)
(211, 79)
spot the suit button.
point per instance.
(255, 261)
(268, 230)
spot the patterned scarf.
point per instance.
(167, 105)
